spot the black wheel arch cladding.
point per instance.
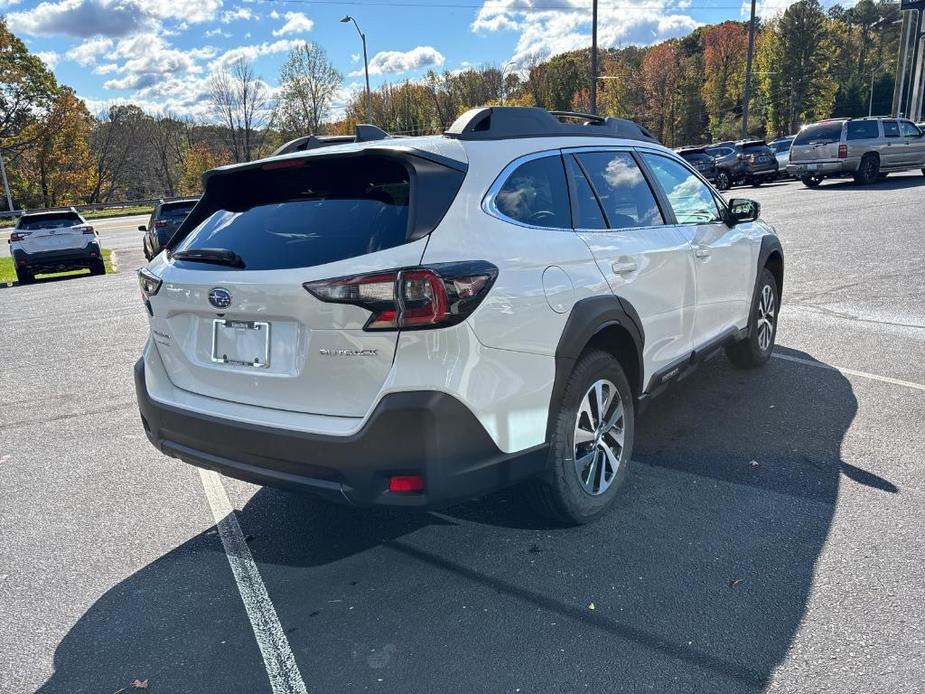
(771, 256)
(588, 318)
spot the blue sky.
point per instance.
(159, 53)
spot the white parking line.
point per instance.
(851, 372)
(282, 670)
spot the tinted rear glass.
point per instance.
(863, 129)
(890, 128)
(58, 220)
(327, 210)
(752, 147)
(177, 213)
(819, 134)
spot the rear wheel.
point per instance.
(811, 181)
(98, 267)
(756, 349)
(591, 443)
(868, 170)
(24, 275)
(723, 180)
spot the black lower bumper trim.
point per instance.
(58, 259)
(414, 433)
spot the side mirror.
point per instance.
(142, 228)
(743, 210)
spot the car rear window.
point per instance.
(696, 156)
(862, 129)
(177, 212)
(58, 220)
(819, 134)
(320, 212)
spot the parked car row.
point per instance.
(730, 163)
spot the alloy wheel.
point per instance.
(766, 315)
(599, 437)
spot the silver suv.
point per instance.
(865, 148)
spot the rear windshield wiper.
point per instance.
(218, 256)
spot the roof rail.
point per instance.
(506, 122)
(363, 133)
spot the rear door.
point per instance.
(723, 264)
(645, 260)
(261, 338)
(53, 231)
(893, 154)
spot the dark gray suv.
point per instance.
(164, 221)
(745, 161)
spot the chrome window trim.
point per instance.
(488, 202)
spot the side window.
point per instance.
(908, 129)
(624, 193)
(690, 198)
(587, 212)
(862, 130)
(890, 128)
(536, 193)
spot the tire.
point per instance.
(564, 492)
(810, 181)
(868, 170)
(756, 349)
(756, 182)
(24, 276)
(723, 180)
(98, 267)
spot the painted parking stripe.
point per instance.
(284, 674)
(851, 372)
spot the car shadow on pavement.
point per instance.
(697, 581)
(891, 183)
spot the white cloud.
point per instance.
(115, 18)
(105, 69)
(544, 33)
(397, 62)
(257, 50)
(296, 23)
(85, 53)
(216, 32)
(238, 14)
(50, 58)
(354, 57)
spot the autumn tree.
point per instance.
(725, 46)
(27, 89)
(662, 75)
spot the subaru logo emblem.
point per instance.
(220, 297)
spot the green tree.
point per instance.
(27, 88)
(308, 82)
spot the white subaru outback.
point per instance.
(54, 241)
(414, 322)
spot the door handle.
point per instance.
(702, 252)
(623, 267)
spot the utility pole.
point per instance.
(870, 104)
(901, 63)
(6, 184)
(748, 72)
(594, 57)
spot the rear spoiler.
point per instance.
(364, 133)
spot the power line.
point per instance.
(477, 6)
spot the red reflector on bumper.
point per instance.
(406, 483)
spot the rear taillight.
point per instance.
(149, 283)
(742, 157)
(842, 151)
(412, 298)
(159, 223)
(86, 229)
(18, 236)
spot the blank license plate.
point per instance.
(243, 343)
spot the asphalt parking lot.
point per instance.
(770, 536)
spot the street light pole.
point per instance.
(369, 100)
(593, 94)
(748, 72)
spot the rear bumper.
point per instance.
(62, 259)
(823, 168)
(410, 433)
(761, 170)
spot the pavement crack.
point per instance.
(57, 418)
